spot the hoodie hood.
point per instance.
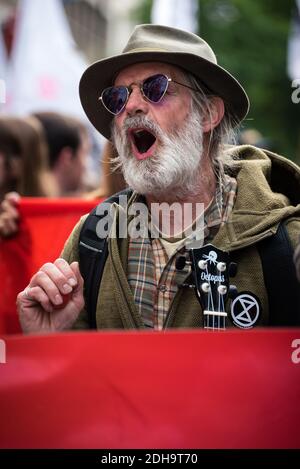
(268, 192)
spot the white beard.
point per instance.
(175, 164)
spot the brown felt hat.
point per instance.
(156, 43)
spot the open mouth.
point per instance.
(143, 142)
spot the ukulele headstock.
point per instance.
(210, 267)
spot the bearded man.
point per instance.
(170, 110)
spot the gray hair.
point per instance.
(224, 133)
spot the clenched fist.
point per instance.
(53, 299)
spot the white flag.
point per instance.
(45, 67)
(293, 61)
(181, 14)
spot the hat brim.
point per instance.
(102, 73)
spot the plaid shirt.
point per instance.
(152, 275)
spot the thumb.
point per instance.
(75, 268)
(77, 294)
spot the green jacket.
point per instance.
(268, 192)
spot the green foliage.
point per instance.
(142, 13)
(249, 38)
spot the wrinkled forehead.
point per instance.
(144, 70)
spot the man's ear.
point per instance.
(214, 114)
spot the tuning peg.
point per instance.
(222, 289)
(232, 292)
(202, 264)
(221, 266)
(232, 270)
(205, 287)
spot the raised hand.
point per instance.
(53, 299)
(9, 215)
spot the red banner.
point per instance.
(193, 389)
(44, 227)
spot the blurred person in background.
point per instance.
(112, 179)
(23, 157)
(68, 148)
(24, 167)
(255, 137)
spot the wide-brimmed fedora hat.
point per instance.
(157, 43)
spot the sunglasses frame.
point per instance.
(129, 91)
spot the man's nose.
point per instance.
(136, 102)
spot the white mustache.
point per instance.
(141, 121)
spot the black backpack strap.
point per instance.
(280, 278)
(93, 252)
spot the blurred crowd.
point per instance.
(46, 155)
